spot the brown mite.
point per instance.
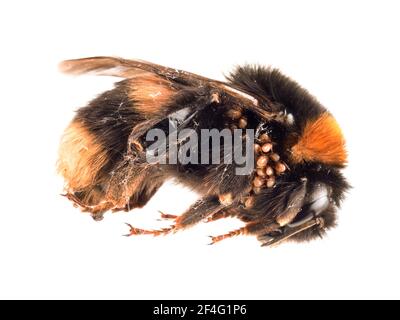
(262, 161)
(242, 123)
(264, 138)
(266, 147)
(257, 190)
(234, 114)
(249, 203)
(104, 152)
(258, 182)
(270, 182)
(269, 171)
(280, 168)
(261, 172)
(274, 157)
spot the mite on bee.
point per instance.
(295, 184)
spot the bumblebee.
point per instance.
(298, 151)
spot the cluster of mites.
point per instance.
(268, 163)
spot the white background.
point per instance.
(346, 53)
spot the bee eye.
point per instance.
(320, 205)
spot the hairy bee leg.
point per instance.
(253, 228)
(217, 216)
(225, 213)
(196, 213)
(237, 232)
(137, 231)
(199, 211)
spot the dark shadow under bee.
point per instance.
(296, 184)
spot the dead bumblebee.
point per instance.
(289, 185)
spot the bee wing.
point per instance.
(124, 68)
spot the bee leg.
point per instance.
(237, 232)
(137, 231)
(225, 213)
(217, 216)
(199, 211)
(253, 228)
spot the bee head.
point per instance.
(303, 204)
(304, 200)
